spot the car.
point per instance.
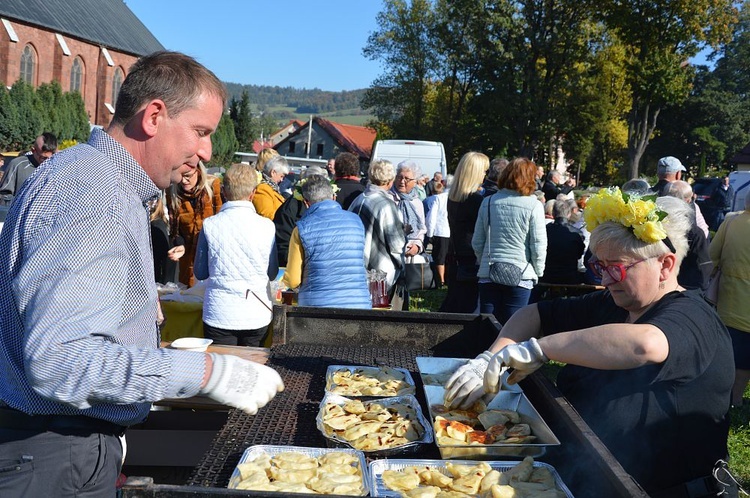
(704, 187)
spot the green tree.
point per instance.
(239, 112)
(30, 120)
(404, 43)
(76, 118)
(660, 36)
(9, 124)
(465, 39)
(224, 142)
(536, 77)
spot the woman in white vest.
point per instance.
(237, 254)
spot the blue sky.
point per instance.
(298, 43)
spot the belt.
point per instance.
(702, 486)
(61, 424)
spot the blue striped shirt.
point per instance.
(78, 332)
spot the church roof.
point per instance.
(108, 23)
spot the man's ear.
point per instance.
(153, 114)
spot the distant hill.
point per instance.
(265, 98)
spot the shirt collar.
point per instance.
(129, 168)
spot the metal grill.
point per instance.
(289, 419)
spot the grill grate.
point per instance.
(289, 419)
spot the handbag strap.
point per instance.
(489, 229)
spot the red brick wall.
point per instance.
(52, 64)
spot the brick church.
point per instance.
(87, 46)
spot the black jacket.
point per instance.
(565, 247)
(285, 219)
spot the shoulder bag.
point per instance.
(501, 273)
(419, 274)
(714, 280)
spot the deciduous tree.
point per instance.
(660, 36)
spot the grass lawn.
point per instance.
(739, 431)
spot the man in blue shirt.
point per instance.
(79, 345)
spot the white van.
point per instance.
(740, 182)
(429, 156)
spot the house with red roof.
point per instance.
(320, 138)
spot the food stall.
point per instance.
(308, 340)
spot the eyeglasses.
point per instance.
(616, 271)
(404, 179)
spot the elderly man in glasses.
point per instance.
(648, 363)
(410, 206)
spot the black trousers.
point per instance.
(226, 337)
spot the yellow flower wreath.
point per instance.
(640, 214)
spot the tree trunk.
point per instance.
(641, 126)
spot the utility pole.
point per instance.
(309, 137)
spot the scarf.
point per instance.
(267, 180)
(412, 222)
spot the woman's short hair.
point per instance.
(469, 175)
(409, 165)
(240, 181)
(278, 164)
(176, 79)
(263, 156)
(317, 189)
(676, 224)
(381, 172)
(519, 175)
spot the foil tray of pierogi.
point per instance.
(496, 479)
(381, 427)
(436, 371)
(507, 426)
(356, 381)
(297, 469)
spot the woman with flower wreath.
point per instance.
(648, 364)
(327, 252)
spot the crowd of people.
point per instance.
(650, 365)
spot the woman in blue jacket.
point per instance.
(510, 232)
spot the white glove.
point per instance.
(524, 358)
(465, 385)
(241, 383)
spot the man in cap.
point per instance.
(669, 169)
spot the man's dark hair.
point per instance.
(175, 78)
(49, 142)
(347, 164)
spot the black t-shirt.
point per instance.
(666, 423)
